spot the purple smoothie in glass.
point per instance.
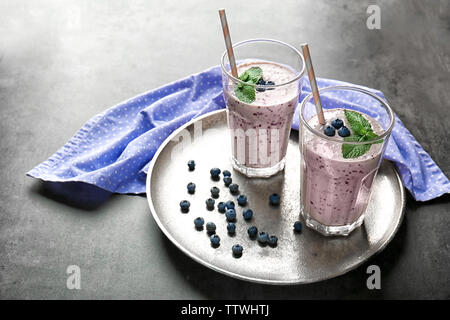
(336, 190)
(266, 122)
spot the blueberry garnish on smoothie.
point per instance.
(261, 82)
(344, 132)
(337, 123)
(329, 131)
(270, 83)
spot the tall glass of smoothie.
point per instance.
(340, 160)
(261, 103)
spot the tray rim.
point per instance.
(363, 258)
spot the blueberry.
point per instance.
(273, 240)
(230, 215)
(337, 123)
(242, 200)
(231, 227)
(199, 222)
(226, 173)
(344, 132)
(222, 207)
(214, 172)
(252, 231)
(191, 187)
(274, 199)
(261, 82)
(210, 204)
(234, 188)
(263, 237)
(237, 250)
(215, 192)
(215, 240)
(298, 226)
(271, 83)
(191, 165)
(230, 205)
(227, 181)
(184, 205)
(211, 227)
(248, 214)
(329, 131)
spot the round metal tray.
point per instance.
(298, 258)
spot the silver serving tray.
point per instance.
(298, 258)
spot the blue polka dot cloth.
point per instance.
(114, 148)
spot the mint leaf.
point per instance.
(359, 125)
(354, 150)
(372, 135)
(362, 131)
(244, 76)
(254, 74)
(246, 93)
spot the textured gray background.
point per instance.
(62, 62)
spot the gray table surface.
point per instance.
(63, 62)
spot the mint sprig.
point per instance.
(246, 93)
(362, 131)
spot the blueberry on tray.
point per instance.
(248, 214)
(191, 165)
(222, 207)
(210, 204)
(191, 187)
(234, 188)
(252, 232)
(184, 205)
(215, 172)
(211, 227)
(263, 237)
(242, 200)
(237, 250)
(230, 215)
(274, 199)
(199, 222)
(231, 227)
(215, 192)
(215, 240)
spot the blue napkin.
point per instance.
(114, 148)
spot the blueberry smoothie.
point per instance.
(336, 190)
(260, 129)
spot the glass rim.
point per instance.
(301, 73)
(385, 134)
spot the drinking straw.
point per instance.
(226, 35)
(312, 80)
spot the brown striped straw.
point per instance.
(226, 35)
(312, 80)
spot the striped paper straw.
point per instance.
(312, 80)
(226, 35)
